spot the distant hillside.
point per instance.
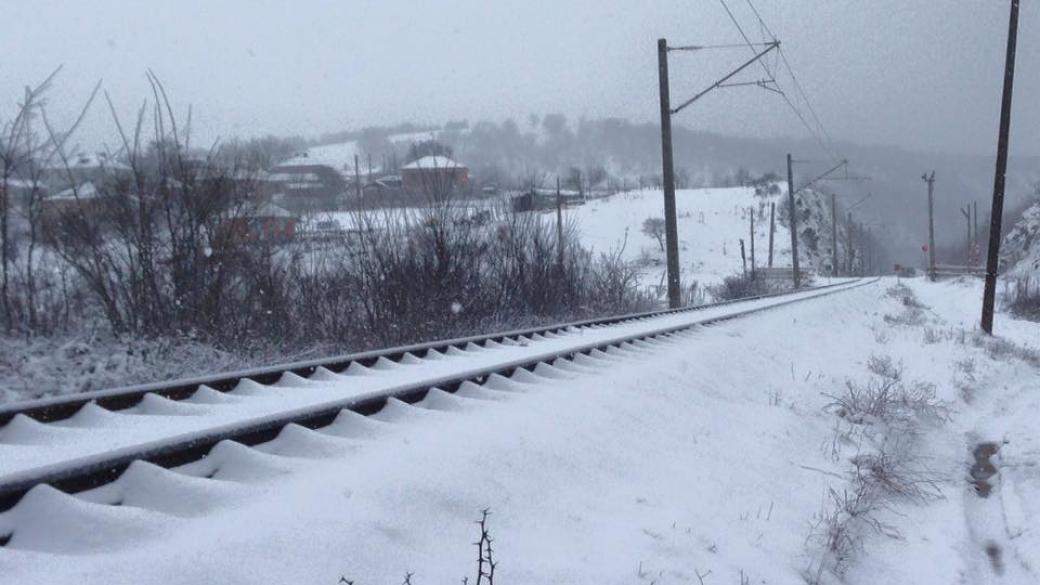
(712, 223)
(624, 154)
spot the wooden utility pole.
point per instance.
(794, 222)
(671, 230)
(559, 226)
(743, 258)
(772, 230)
(849, 252)
(975, 205)
(357, 178)
(966, 212)
(668, 174)
(752, 242)
(930, 179)
(997, 213)
(834, 234)
(870, 252)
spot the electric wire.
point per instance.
(794, 78)
(819, 132)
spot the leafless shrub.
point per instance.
(164, 245)
(839, 529)
(486, 563)
(882, 367)
(1024, 299)
(841, 436)
(741, 286)
(893, 472)
(887, 400)
(966, 366)
(654, 227)
(1002, 349)
(906, 296)
(933, 335)
(907, 318)
(965, 378)
(35, 297)
(892, 409)
(913, 312)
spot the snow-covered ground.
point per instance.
(711, 456)
(711, 223)
(991, 387)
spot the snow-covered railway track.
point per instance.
(80, 443)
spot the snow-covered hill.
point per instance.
(340, 155)
(711, 224)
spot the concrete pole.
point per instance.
(671, 230)
(559, 225)
(752, 242)
(794, 221)
(772, 230)
(997, 213)
(930, 179)
(834, 234)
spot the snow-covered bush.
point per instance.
(741, 286)
(168, 245)
(886, 398)
(886, 416)
(1024, 301)
(913, 311)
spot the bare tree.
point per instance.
(654, 227)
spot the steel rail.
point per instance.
(63, 407)
(97, 470)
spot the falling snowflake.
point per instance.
(456, 307)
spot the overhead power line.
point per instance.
(818, 131)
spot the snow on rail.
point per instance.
(29, 448)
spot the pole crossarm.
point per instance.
(769, 47)
(842, 164)
(850, 179)
(718, 46)
(767, 84)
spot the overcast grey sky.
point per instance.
(924, 74)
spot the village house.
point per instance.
(438, 173)
(538, 199)
(264, 223)
(301, 184)
(82, 202)
(83, 168)
(18, 193)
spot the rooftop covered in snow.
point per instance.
(433, 162)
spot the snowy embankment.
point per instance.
(654, 466)
(990, 387)
(711, 223)
(1020, 252)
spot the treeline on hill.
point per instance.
(156, 245)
